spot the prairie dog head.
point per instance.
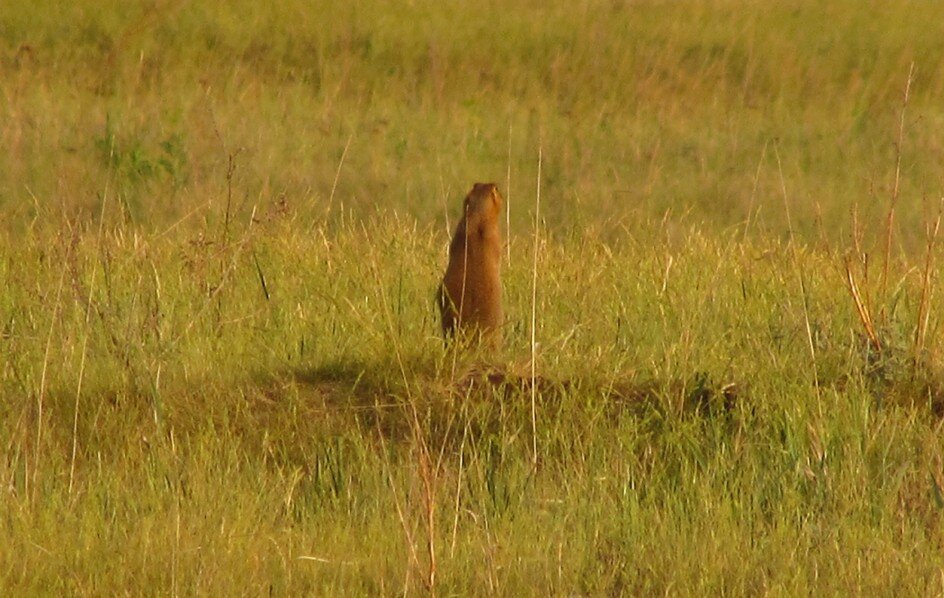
(483, 204)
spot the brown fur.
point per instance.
(470, 294)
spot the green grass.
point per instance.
(220, 368)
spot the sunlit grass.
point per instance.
(220, 365)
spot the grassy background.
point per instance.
(221, 231)
(638, 108)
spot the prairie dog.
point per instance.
(470, 294)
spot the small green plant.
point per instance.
(136, 161)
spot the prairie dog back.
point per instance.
(470, 294)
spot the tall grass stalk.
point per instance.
(927, 290)
(41, 396)
(890, 219)
(508, 201)
(85, 338)
(534, 309)
(801, 278)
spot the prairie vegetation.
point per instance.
(222, 226)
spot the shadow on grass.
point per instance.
(476, 398)
(896, 378)
(917, 387)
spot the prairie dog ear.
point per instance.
(496, 197)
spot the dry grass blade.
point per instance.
(890, 219)
(337, 173)
(861, 308)
(40, 399)
(88, 315)
(534, 310)
(508, 200)
(921, 325)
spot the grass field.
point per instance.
(220, 369)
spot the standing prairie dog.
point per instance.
(470, 294)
